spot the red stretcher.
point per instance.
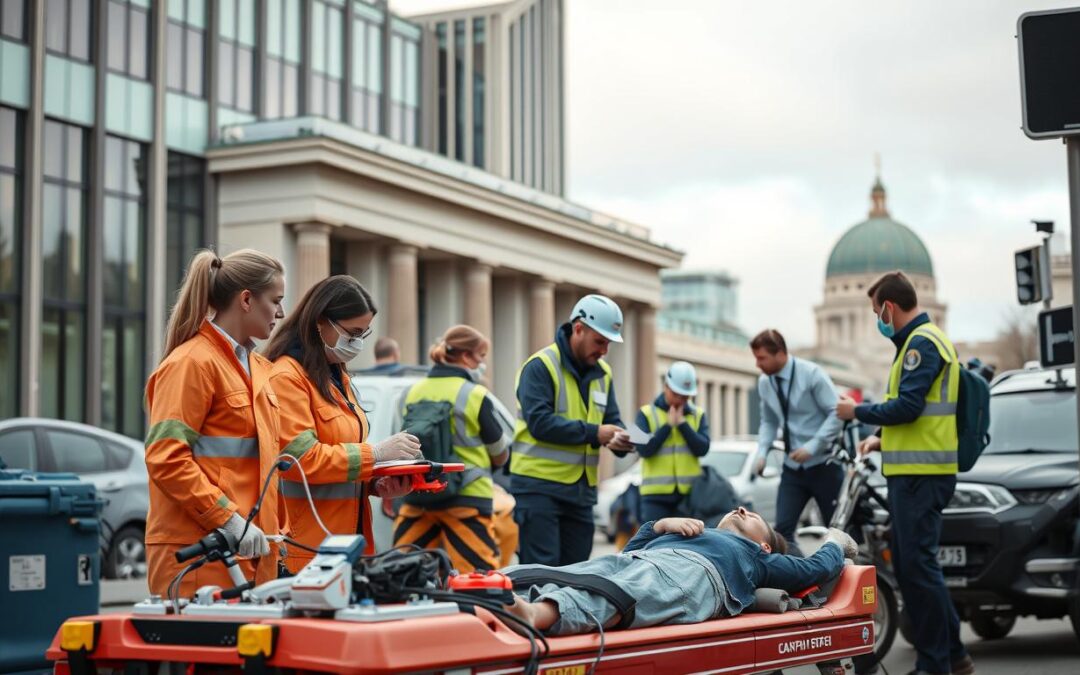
(477, 643)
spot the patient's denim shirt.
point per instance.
(743, 564)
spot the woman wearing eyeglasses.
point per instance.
(322, 424)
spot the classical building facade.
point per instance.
(848, 344)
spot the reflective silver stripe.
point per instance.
(498, 447)
(918, 457)
(561, 406)
(471, 475)
(674, 450)
(556, 455)
(659, 480)
(461, 438)
(655, 417)
(944, 395)
(226, 446)
(935, 409)
(295, 490)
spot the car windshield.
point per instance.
(727, 463)
(1033, 420)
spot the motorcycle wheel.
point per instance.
(886, 621)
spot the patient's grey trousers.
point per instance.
(670, 586)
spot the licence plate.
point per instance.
(952, 556)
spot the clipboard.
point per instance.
(426, 476)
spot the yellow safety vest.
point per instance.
(674, 467)
(928, 445)
(466, 396)
(553, 461)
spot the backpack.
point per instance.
(972, 418)
(430, 422)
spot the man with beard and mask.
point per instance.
(676, 571)
(918, 443)
(567, 410)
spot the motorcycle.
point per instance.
(863, 512)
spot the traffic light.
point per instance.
(1028, 276)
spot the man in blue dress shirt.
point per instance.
(798, 407)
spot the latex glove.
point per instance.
(254, 542)
(844, 540)
(401, 445)
(392, 487)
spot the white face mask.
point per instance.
(477, 373)
(347, 348)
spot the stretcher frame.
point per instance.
(462, 643)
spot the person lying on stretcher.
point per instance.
(677, 572)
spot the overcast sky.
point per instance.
(745, 133)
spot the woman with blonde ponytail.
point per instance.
(214, 421)
(459, 519)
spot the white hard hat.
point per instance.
(681, 379)
(601, 314)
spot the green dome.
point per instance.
(879, 244)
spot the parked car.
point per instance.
(381, 397)
(1010, 542)
(116, 466)
(732, 457)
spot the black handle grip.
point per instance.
(217, 541)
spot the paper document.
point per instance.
(638, 436)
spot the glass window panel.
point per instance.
(374, 42)
(395, 121)
(176, 9)
(245, 29)
(274, 45)
(289, 90)
(136, 169)
(459, 90)
(412, 74)
(52, 225)
(193, 227)
(174, 248)
(49, 391)
(315, 99)
(112, 238)
(244, 79)
(227, 17)
(196, 13)
(137, 49)
(109, 393)
(13, 20)
(133, 379)
(74, 366)
(114, 164)
(53, 144)
(272, 81)
(194, 66)
(292, 30)
(333, 99)
(359, 53)
(226, 73)
(9, 362)
(74, 153)
(56, 25)
(374, 113)
(17, 448)
(80, 29)
(9, 137)
(193, 186)
(73, 233)
(118, 36)
(333, 44)
(174, 59)
(318, 37)
(9, 229)
(77, 453)
(133, 254)
(396, 79)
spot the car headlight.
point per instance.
(1043, 496)
(980, 498)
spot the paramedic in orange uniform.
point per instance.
(322, 424)
(214, 417)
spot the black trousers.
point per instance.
(553, 531)
(821, 483)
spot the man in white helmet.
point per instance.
(566, 411)
(680, 435)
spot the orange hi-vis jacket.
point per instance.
(328, 438)
(213, 439)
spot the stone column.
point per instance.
(645, 355)
(312, 255)
(541, 314)
(729, 410)
(478, 297)
(402, 300)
